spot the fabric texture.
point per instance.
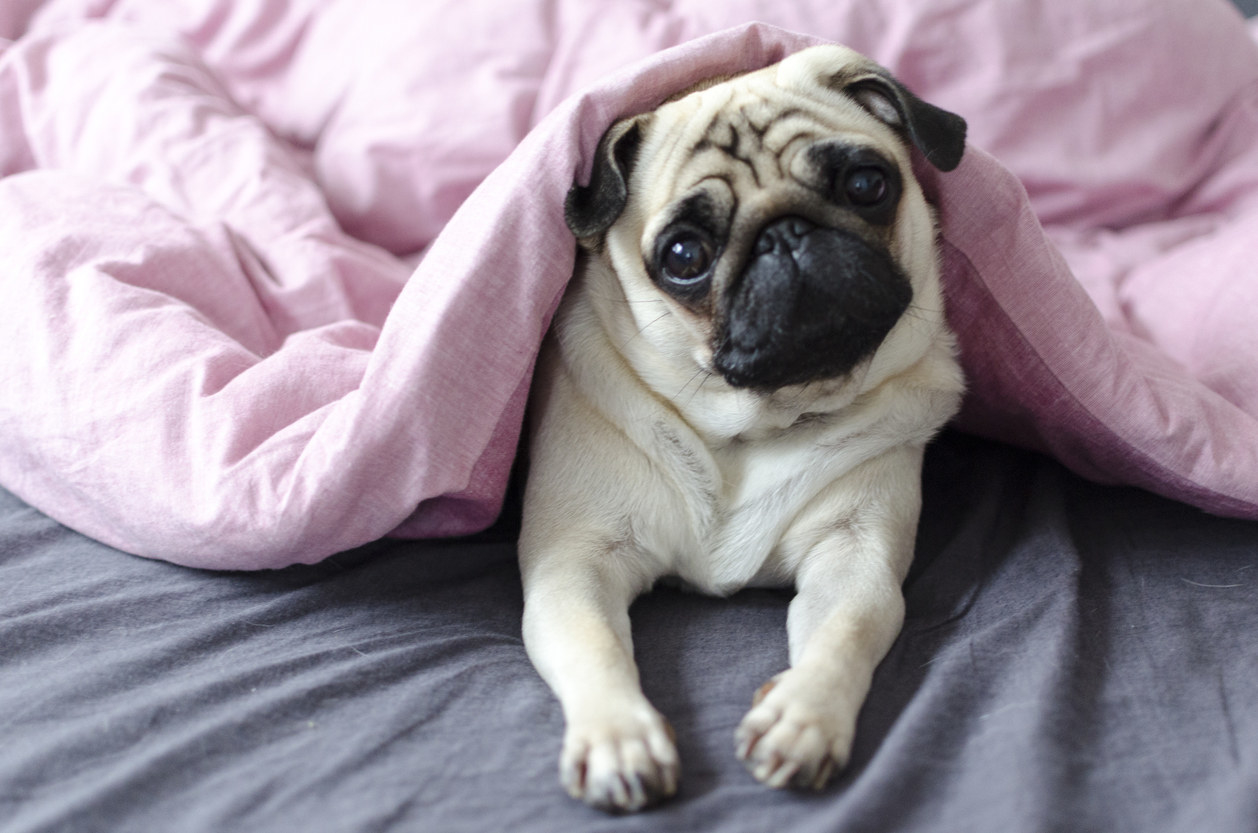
(275, 274)
(1075, 658)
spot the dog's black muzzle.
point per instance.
(812, 303)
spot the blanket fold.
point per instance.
(276, 274)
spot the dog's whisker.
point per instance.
(644, 327)
(700, 372)
(623, 300)
(706, 376)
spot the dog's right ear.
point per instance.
(591, 209)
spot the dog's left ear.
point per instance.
(590, 210)
(937, 133)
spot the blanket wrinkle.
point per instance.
(278, 272)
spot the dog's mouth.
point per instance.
(812, 303)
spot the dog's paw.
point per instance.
(795, 735)
(620, 762)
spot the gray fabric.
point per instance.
(1076, 658)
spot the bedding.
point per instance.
(273, 278)
(276, 273)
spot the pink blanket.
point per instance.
(274, 274)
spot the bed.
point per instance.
(274, 280)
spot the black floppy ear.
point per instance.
(937, 133)
(591, 209)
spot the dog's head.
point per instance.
(775, 214)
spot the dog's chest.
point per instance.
(736, 505)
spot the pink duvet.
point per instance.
(273, 275)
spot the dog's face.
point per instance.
(775, 215)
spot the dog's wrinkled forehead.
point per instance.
(749, 130)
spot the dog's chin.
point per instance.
(766, 377)
(790, 392)
(767, 369)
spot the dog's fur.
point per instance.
(736, 392)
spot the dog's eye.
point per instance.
(686, 259)
(865, 186)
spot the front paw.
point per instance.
(623, 761)
(796, 734)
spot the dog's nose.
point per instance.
(784, 235)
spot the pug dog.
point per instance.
(736, 392)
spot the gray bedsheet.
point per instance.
(1076, 658)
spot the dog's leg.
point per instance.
(848, 610)
(618, 752)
